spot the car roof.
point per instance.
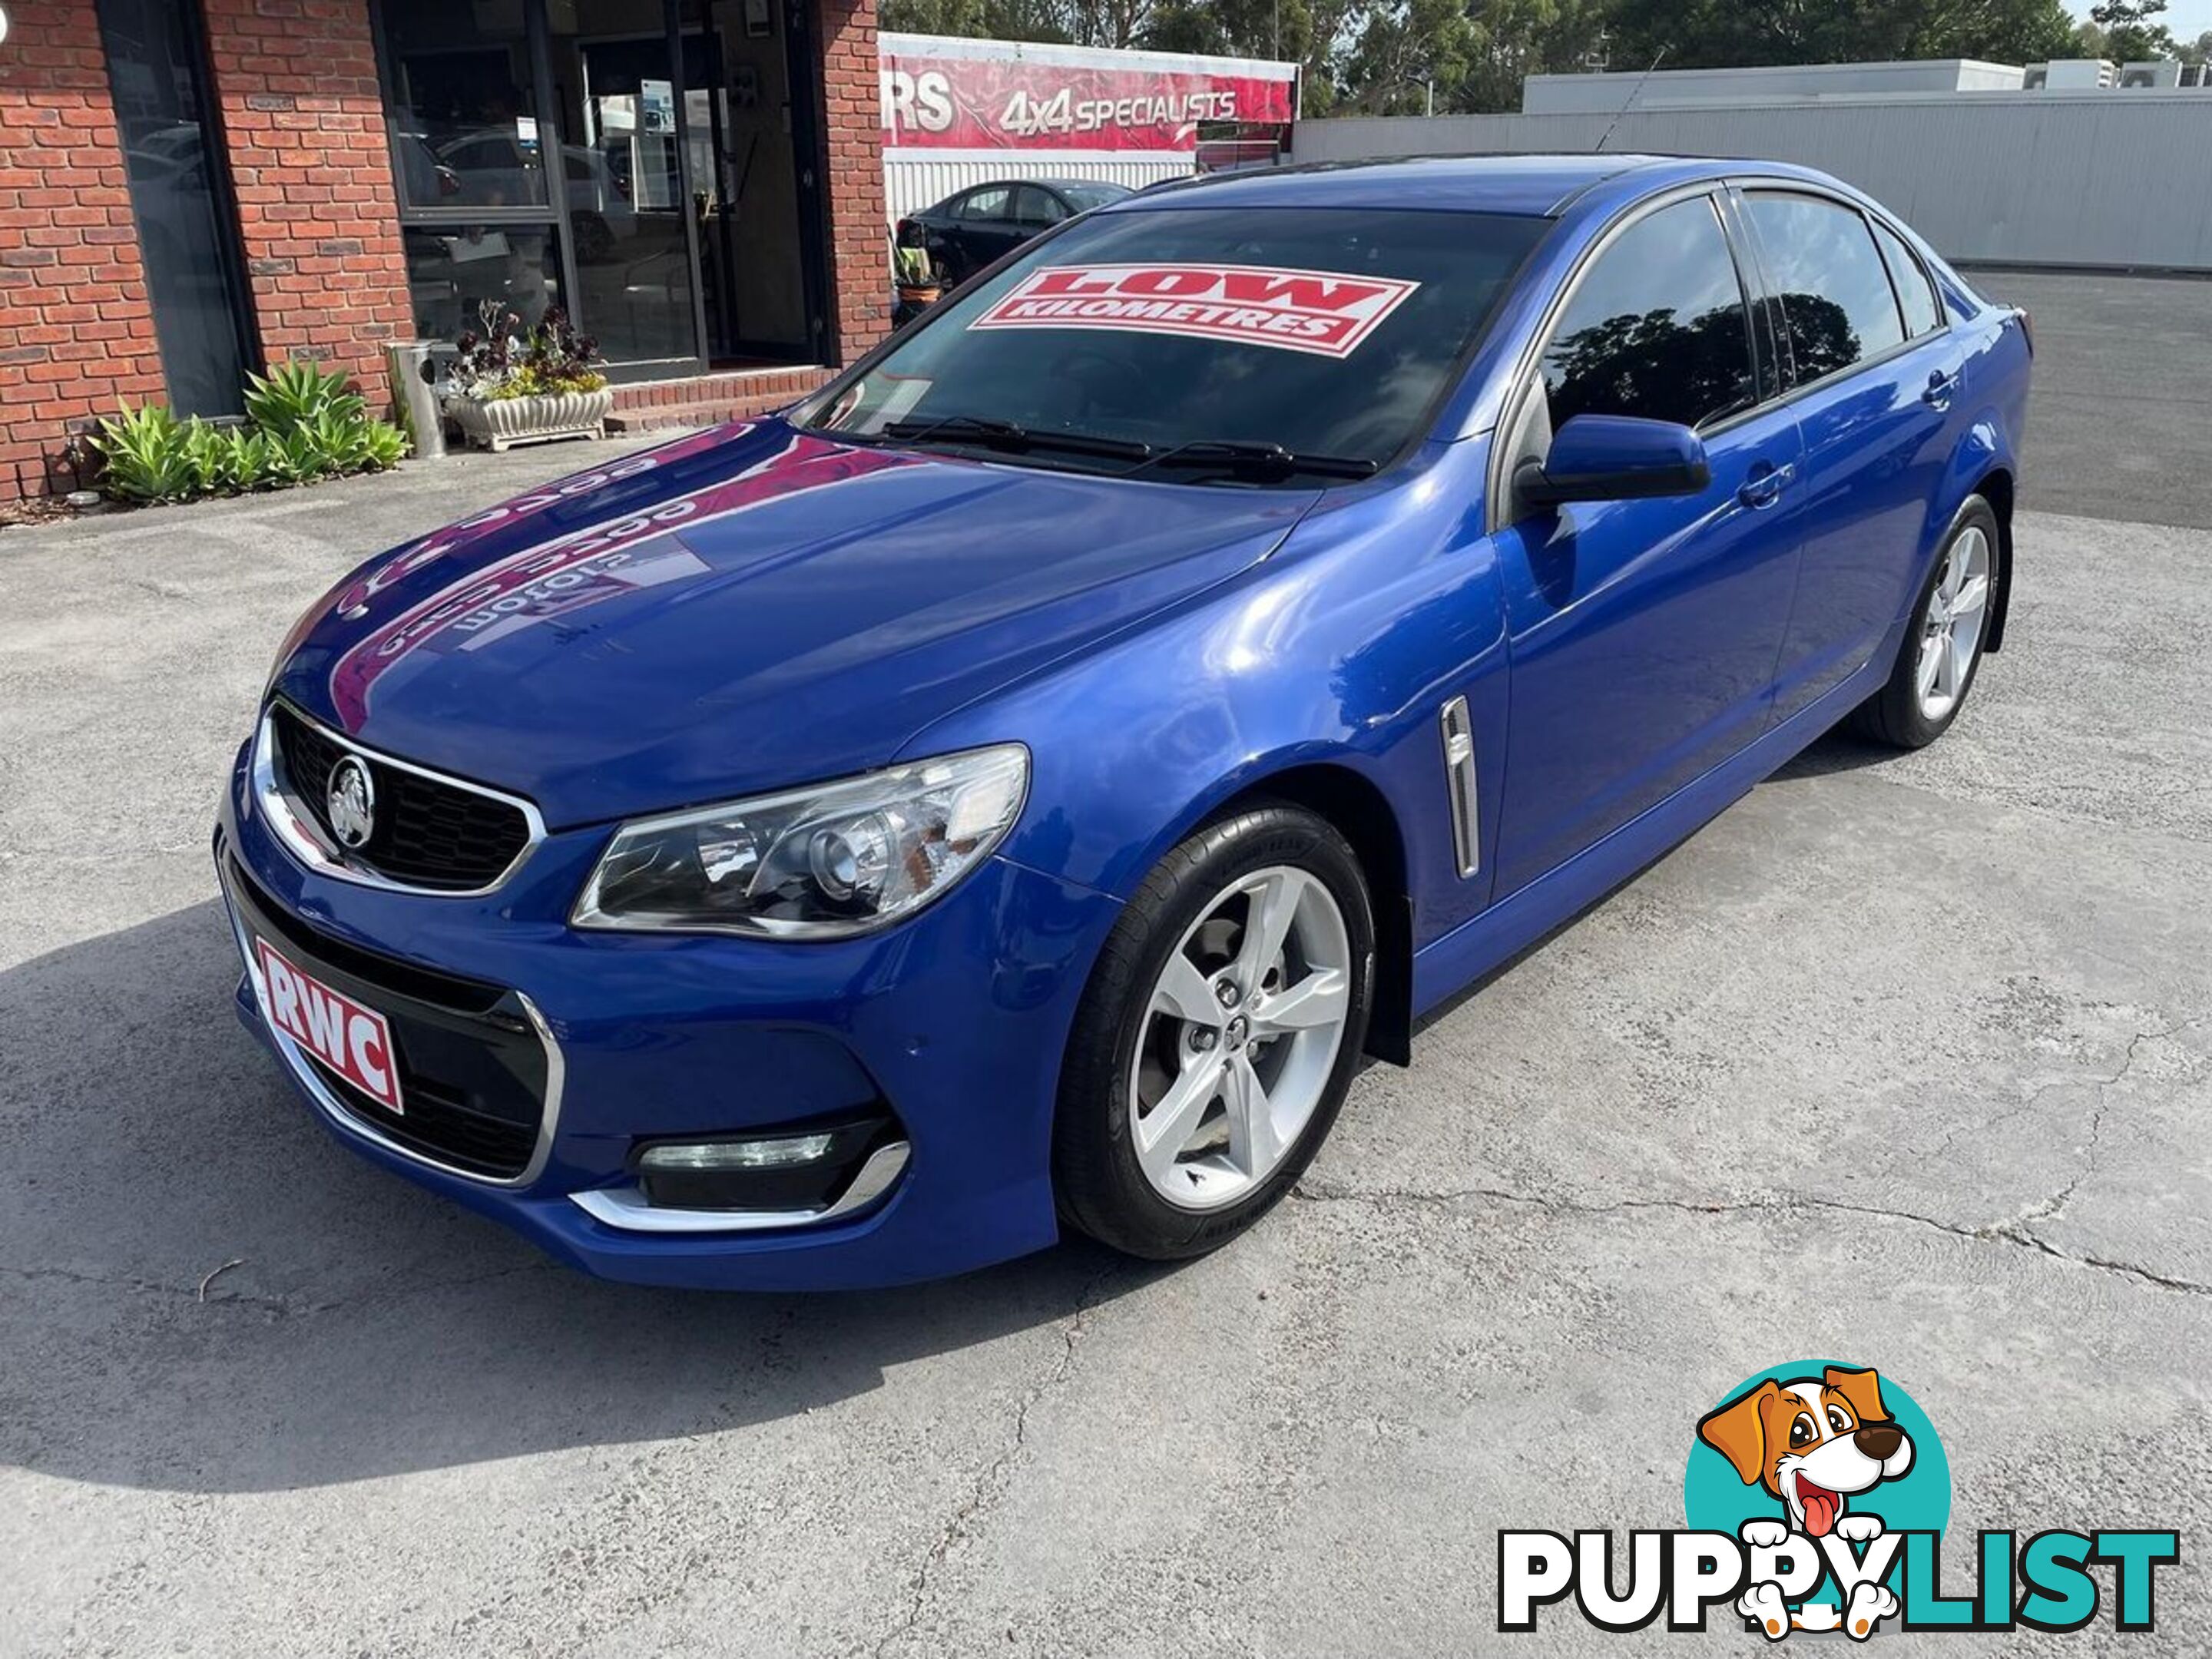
(1530, 184)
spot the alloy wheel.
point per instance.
(1951, 627)
(1241, 1033)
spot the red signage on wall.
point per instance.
(938, 100)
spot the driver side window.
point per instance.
(1658, 327)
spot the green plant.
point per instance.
(386, 446)
(295, 394)
(912, 267)
(146, 453)
(247, 463)
(294, 458)
(207, 454)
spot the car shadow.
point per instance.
(205, 1292)
(1838, 751)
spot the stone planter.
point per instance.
(503, 423)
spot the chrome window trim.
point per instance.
(295, 827)
(626, 1208)
(335, 1110)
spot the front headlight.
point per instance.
(826, 862)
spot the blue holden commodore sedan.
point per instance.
(1015, 788)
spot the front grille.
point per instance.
(428, 833)
(473, 1075)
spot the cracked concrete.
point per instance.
(1905, 1060)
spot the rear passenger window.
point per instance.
(991, 202)
(1914, 291)
(1657, 327)
(1834, 287)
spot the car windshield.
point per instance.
(1165, 337)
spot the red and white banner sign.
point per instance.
(351, 1040)
(1324, 311)
(943, 101)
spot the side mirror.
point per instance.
(1615, 458)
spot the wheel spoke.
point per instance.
(1962, 658)
(1973, 593)
(1252, 1144)
(1272, 904)
(1165, 1130)
(1932, 653)
(1186, 993)
(1948, 584)
(1947, 684)
(1319, 999)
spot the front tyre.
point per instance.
(1942, 648)
(1217, 1036)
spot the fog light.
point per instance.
(708, 1156)
(799, 1168)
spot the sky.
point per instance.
(2187, 18)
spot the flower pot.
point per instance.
(919, 294)
(499, 423)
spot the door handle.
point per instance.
(1939, 390)
(1763, 488)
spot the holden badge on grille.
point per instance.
(350, 800)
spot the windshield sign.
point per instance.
(1257, 346)
(1320, 311)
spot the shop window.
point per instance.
(461, 105)
(187, 235)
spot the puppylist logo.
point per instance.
(1817, 1495)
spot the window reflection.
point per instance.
(1656, 329)
(452, 269)
(463, 123)
(1835, 290)
(185, 235)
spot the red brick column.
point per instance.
(76, 335)
(859, 236)
(295, 80)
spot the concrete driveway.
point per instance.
(1904, 1061)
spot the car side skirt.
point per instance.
(1449, 965)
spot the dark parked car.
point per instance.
(967, 231)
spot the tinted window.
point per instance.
(989, 202)
(1657, 327)
(1086, 197)
(1037, 207)
(1835, 290)
(1913, 291)
(1127, 362)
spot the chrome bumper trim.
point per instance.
(625, 1206)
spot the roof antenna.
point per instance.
(1634, 93)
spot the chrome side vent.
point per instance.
(1460, 784)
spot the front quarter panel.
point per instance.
(1338, 650)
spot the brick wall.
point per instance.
(859, 237)
(75, 334)
(318, 213)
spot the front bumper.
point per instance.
(955, 1020)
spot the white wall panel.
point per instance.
(2104, 178)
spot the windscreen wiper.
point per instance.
(988, 432)
(1250, 459)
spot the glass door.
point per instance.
(631, 213)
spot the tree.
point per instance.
(1732, 34)
(2132, 31)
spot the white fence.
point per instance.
(2114, 179)
(916, 179)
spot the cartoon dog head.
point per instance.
(1810, 1441)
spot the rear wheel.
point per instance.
(1218, 1035)
(1942, 648)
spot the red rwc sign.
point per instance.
(353, 1041)
(1324, 311)
(989, 95)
